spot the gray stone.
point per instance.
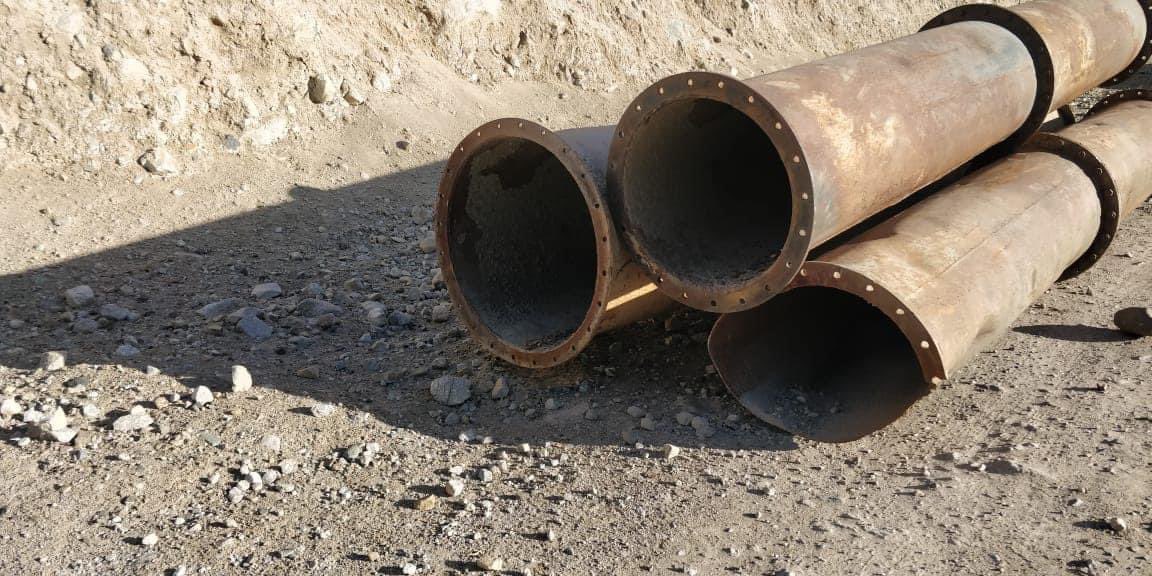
(255, 328)
(1118, 525)
(451, 390)
(117, 313)
(127, 351)
(400, 318)
(442, 312)
(79, 297)
(1003, 466)
(669, 451)
(85, 325)
(636, 412)
(267, 290)
(313, 307)
(241, 379)
(220, 307)
(52, 361)
(322, 410)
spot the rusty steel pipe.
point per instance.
(1076, 44)
(722, 186)
(867, 329)
(527, 245)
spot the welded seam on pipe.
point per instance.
(515, 128)
(1041, 62)
(1145, 49)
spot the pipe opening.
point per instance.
(820, 363)
(707, 193)
(522, 244)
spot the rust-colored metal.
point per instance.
(527, 244)
(1076, 44)
(868, 328)
(722, 186)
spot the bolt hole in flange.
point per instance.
(522, 243)
(706, 192)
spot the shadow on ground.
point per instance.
(356, 243)
(1075, 333)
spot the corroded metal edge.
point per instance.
(1117, 98)
(1145, 49)
(733, 92)
(606, 257)
(1041, 61)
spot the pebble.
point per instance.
(500, 389)
(454, 488)
(1136, 321)
(490, 563)
(703, 427)
(1118, 525)
(152, 371)
(52, 361)
(427, 503)
(451, 390)
(684, 418)
(314, 307)
(117, 312)
(137, 418)
(309, 372)
(9, 407)
(551, 404)
(288, 466)
(322, 410)
(220, 308)
(669, 451)
(57, 420)
(267, 290)
(381, 81)
(352, 95)
(271, 442)
(648, 423)
(321, 89)
(150, 540)
(158, 161)
(427, 244)
(79, 297)
(241, 379)
(255, 328)
(91, 411)
(636, 411)
(1003, 466)
(202, 396)
(127, 351)
(409, 569)
(442, 312)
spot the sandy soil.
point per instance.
(335, 209)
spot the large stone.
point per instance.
(451, 390)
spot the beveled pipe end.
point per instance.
(712, 190)
(527, 247)
(833, 359)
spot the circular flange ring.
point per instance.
(1145, 49)
(1118, 97)
(1105, 191)
(1041, 61)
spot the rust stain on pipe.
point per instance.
(527, 244)
(722, 186)
(865, 331)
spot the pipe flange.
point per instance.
(744, 98)
(1041, 62)
(586, 179)
(1105, 191)
(1145, 49)
(829, 275)
(1118, 97)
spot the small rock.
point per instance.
(9, 407)
(152, 371)
(57, 420)
(442, 312)
(91, 411)
(322, 410)
(500, 389)
(79, 297)
(158, 161)
(137, 418)
(408, 569)
(127, 351)
(427, 244)
(202, 396)
(52, 361)
(1136, 321)
(1118, 525)
(309, 372)
(288, 466)
(117, 313)
(648, 423)
(703, 427)
(491, 563)
(220, 308)
(454, 488)
(271, 442)
(400, 318)
(551, 404)
(669, 451)
(314, 308)
(451, 390)
(1003, 466)
(267, 291)
(241, 379)
(321, 89)
(381, 81)
(352, 95)
(150, 540)
(636, 412)
(427, 503)
(684, 418)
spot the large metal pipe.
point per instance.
(723, 186)
(868, 328)
(528, 248)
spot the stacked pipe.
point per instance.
(712, 191)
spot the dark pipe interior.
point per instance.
(820, 363)
(707, 193)
(522, 243)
